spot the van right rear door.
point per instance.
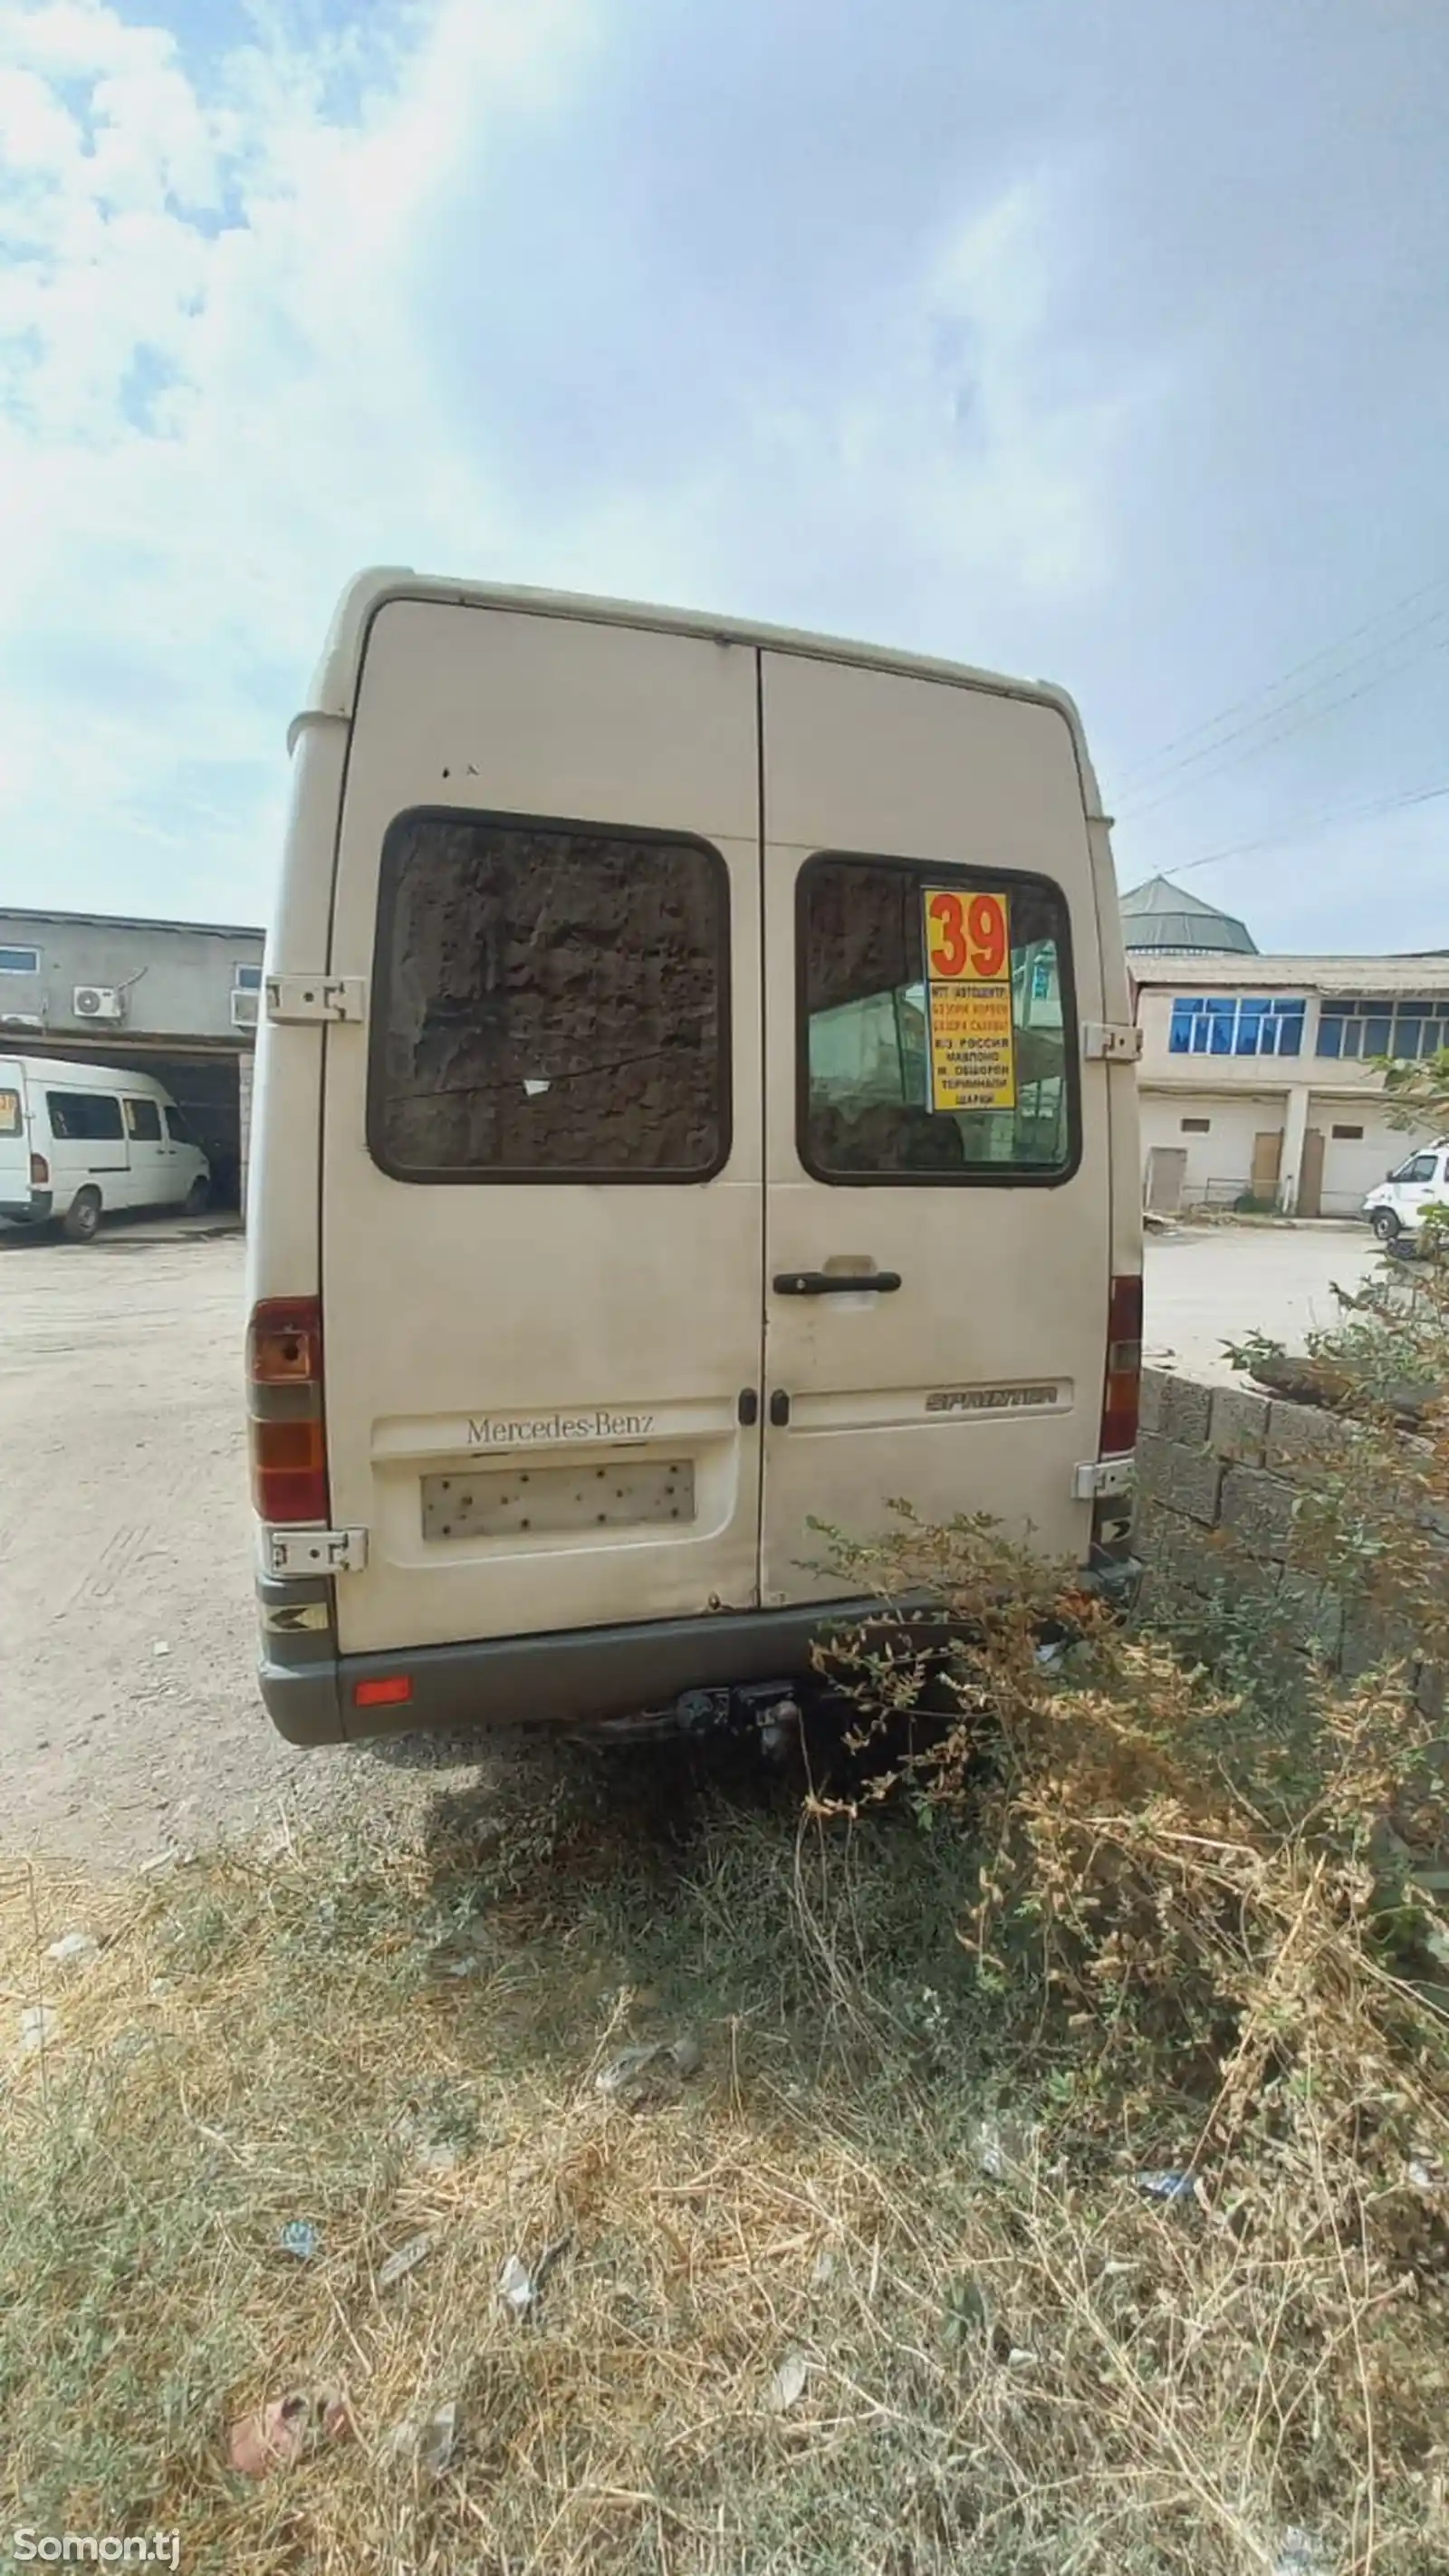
(937, 1229)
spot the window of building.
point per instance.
(89, 1117)
(866, 1101)
(19, 961)
(247, 979)
(10, 1122)
(1236, 1024)
(1348, 1135)
(1197, 1126)
(552, 1000)
(143, 1121)
(1367, 1028)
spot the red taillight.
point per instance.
(1122, 1391)
(284, 1389)
(39, 1172)
(390, 1690)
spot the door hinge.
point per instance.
(1104, 1043)
(314, 1551)
(1098, 1478)
(315, 997)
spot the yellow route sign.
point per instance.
(973, 1056)
(968, 986)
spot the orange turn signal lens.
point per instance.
(289, 1470)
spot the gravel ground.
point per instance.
(129, 1718)
(129, 1721)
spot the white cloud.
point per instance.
(212, 406)
(241, 352)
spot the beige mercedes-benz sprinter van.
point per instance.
(696, 1098)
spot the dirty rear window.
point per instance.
(9, 1113)
(550, 1001)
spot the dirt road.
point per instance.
(129, 1720)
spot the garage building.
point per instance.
(1257, 1081)
(176, 999)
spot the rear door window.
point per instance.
(938, 1037)
(10, 1122)
(551, 1002)
(86, 1117)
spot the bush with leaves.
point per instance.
(1211, 1917)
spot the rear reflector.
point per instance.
(288, 1434)
(1122, 1391)
(39, 1172)
(391, 1690)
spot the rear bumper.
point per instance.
(36, 1208)
(580, 1676)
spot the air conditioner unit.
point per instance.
(244, 1010)
(98, 1002)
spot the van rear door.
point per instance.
(931, 951)
(14, 1141)
(541, 1187)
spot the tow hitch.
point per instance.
(770, 1711)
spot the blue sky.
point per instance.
(1108, 343)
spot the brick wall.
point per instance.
(1220, 1472)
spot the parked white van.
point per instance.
(1396, 1207)
(83, 1141)
(696, 1100)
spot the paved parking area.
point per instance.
(1211, 1284)
(129, 1721)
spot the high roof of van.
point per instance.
(333, 691)
(68, 1073)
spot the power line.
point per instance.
(1319, 822)
(1269, 689)
(1314, 715)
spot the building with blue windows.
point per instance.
(1259, 1075)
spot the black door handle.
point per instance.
(835, 1283)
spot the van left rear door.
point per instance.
(542, 1188)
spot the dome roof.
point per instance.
(1164, 916)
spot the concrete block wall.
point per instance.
(1221, 1474)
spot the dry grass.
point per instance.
(1014, 2359)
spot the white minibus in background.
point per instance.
(82, 1141)
(695, 1099)
(1397, 1207)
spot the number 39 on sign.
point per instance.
(968, 936)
